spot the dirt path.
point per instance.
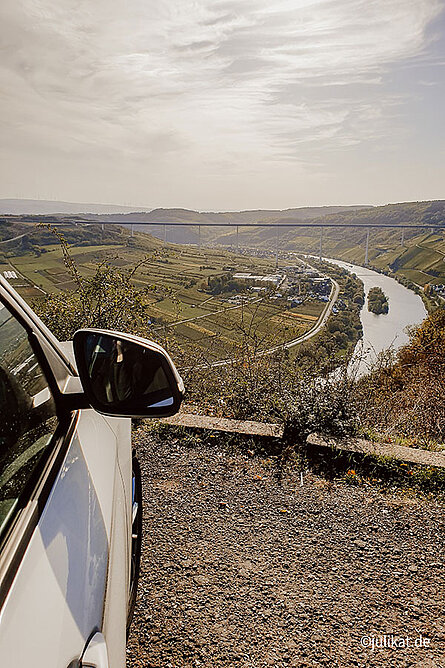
(241, 571)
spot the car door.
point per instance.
(63, 515)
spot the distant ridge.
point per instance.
(347, 246)
(247, 216)
(128, 213)
(403, 213)
(47, 207)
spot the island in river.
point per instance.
(377, 301)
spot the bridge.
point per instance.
(277, 226)
(236, 226)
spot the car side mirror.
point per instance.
(126, 376)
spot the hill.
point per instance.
(234, 217)
(48, 207)
(19, 234)
(418, 257)
(431, 213)
(222, 235)
(405, 213)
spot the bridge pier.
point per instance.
(402, 243)
(367, 248)
(321, 243)
(237, 237)
(132, 230)
(165, 234)
(199, 237)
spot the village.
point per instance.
(296, 284)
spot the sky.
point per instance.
(222, 104)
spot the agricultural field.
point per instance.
(261, 323)
(174, 281)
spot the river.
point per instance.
(388, 329)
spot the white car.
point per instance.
(70, 495)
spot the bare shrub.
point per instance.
(107, 299)
(405, 392)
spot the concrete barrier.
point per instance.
(273, 430)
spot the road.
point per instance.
(240, 569)
(20, 236)
(335, 290)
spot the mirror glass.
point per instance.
(125, 377)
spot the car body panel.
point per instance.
(65, 561)
(115, 611)
(64, 567)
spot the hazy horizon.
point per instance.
(223, 106)
(129, 208)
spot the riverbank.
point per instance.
(388, 330)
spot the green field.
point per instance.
(174, 280)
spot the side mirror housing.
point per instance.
(126, 376)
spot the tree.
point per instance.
(377, 301)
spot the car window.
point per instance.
(28, 414)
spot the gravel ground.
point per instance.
(241, 570)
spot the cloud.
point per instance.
(210, 82)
